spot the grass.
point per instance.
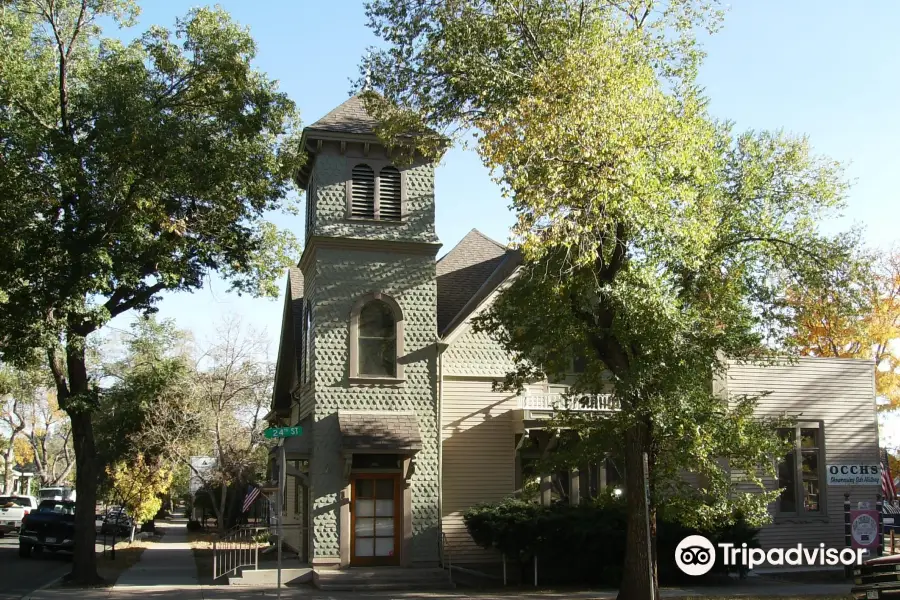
(202, 543)
(109, 570)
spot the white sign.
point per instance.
(865, 530)
(853, 474)
(202, 465)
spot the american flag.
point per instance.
(887, 482)
(252, 495)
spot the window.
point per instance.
(376, 197)
(389, 196)
(376, 338)
(307, 338)
(310, 203)
(362, 194)
(800, 473)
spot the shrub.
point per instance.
(194, 526)
(584, 543)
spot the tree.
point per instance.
(853, 311)
(221, 416)
(19, 391)
(49, 436)
(656, 241)
(141, 370)
(127, 170)
(138, 485)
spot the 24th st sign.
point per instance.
(282, 432)
(853, 474)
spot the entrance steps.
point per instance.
(358, 579)
(269, 577)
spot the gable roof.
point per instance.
(291, 342)
(349, 117)
(468, 274)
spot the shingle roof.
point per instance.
(463, 272)
(379, 431)
(349, 117)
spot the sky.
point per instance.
(825, 68)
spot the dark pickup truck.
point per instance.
(50, 527)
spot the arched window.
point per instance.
(376, 338)
(362, 190)
(389, 195)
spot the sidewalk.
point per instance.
(167, 571)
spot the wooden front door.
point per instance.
(375, 519)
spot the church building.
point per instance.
(402, 430)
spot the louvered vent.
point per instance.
(362, 202)
(389, 208)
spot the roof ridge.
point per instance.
(487, 286)
(484, 237)
(490, 239)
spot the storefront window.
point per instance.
(800, 473)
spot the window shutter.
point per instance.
(362, 201)
(389, 201)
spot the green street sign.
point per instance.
(282, 432)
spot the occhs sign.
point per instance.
(853, 475)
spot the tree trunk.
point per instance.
(8, 466)
(220, 517)
(84, 561)
(636, 580)
(75, 391)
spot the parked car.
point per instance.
(56, 493)
(117, 522)
(51, 526)
(12, 510)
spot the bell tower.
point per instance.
(369, 396)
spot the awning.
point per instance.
(379, 432)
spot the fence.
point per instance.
(237, 548)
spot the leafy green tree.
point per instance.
(152, 365)
(127, 170)
(656, 240)
(218, 413)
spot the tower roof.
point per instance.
(349, 117)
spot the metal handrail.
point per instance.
(237, 548)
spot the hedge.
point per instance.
(581, 544)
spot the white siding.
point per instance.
(841, 394)
(478, 458)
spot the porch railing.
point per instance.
(558, 402)
(236, 549)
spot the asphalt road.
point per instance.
(19, 576)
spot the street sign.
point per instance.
(282, 432)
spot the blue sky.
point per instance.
(825, 68)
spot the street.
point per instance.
(19, 576)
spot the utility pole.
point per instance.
(279, 501)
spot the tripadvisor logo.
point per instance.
(696, 555)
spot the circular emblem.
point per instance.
(865, 530)
(695, 555)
